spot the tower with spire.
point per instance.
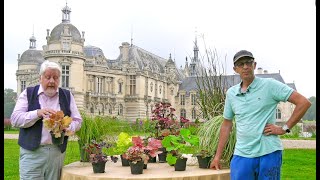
(65, 46)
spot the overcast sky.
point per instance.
(281, 34)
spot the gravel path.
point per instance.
(288, 144)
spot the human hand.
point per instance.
(45, 112)
(69, 132)
(215, 164)
(270, 129)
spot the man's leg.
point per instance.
(55, 162)
(270, 166)
(243, 168)
(32, 164)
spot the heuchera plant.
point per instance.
(97, 152)
(57, 123)
(166, 123)
(123, 142)
(142, 149)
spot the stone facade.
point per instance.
(128, 86)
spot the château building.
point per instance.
(128, 86)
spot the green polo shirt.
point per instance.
(252, 110)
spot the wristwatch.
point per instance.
(285, 128)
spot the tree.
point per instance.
(311, 112)
(9, 102)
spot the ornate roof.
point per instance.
(92, 51)
(31, 56)
(60, 29)
(190, 83)
(65, 27)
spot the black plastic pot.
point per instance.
(58, 140)
(136, 168)
(181, 164)
(204, 162)
(99, 167)
(124, 161)
(152, 159)
(162, 156)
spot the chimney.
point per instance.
(259, 71)
(124, 49)
(265, 72)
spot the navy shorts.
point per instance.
(266, 167)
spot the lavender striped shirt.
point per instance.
(22, 118)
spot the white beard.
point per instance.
(50, 92)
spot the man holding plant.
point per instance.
(39, 158)
(252, 103)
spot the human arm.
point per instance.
(301, 103)
(225, 130)
(76, 117)
(22, 118)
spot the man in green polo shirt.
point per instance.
(252, 104)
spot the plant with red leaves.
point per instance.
(142, 149)
(97, 152)
(166, 123)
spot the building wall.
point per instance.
(151, 87)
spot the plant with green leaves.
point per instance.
(92, 128)
(209, 133)
(211, 87)
(176, 145)
(123, 142)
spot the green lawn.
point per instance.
(11, 131)
(298, 164)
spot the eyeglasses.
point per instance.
(241, 64)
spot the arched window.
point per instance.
(120, 88)
(278, 114)
(110, 109)
(183, 113)
(120, 110)
(194, 114)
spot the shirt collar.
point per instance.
(251, 86)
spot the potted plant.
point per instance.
(138, 154)
(57, 124)
(92, 128)
(204, 158)
(176, 146)
(122, 144)
(209, 133)
(165, 124)
(98, 156)
(151, 148)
